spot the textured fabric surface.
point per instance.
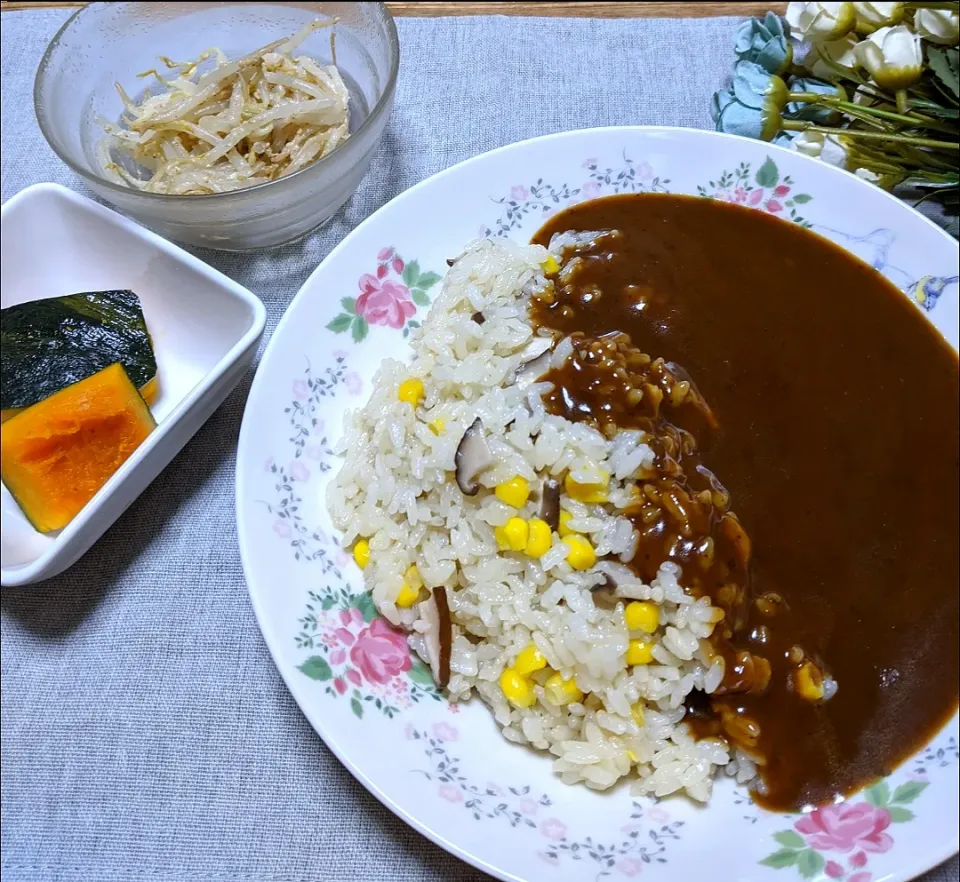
(145, 731)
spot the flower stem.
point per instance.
(853, 109)
(903, 105)
(791, 125)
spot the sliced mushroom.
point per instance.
(445, 636)
(617, 574)
(478, 318)
(550, 503)
(534, 362)
(603, 596)
(472, 457)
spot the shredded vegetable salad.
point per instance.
(242, 123)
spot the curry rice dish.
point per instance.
(657, 497)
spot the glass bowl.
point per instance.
(107, 43)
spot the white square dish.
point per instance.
(205, 329)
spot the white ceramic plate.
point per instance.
(205, 330)
(445, 769)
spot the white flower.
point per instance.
(826, 148)
(839, 52)
(814, 22)
(867, 175)
(892, 56)
(871, 16)
(938, 26)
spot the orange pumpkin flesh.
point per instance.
(56, 454)
(148, 392)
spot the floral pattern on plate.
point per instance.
(838, 839)
(389, 296)
(356, 651)
(519, 806)
(309, 454)
(764, 189)
(542, 199)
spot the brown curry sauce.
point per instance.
(806, 428)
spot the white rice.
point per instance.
(397, 490)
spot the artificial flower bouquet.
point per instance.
(871, 87)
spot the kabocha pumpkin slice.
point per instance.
(55, 455)
(46, 345)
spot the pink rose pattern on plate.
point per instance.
(357, 654)
(389, 297)
(764, 189)
(836, 841)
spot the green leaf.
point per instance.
(349, 304)
(779, 859)
(420, 674)
(428, 280)
(328, 603)
(767, 175)
(910, 791)
(364, 603)
(898, 814)
(790, 839)
(800, 198)
(411, 272)
(419, 297)
(809, 863)
(316, 668)
(357, 708)
(945, 63)
(359, 329)
(340, 323)
(931, 108)
(878, 795)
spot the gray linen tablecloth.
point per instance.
(145, 731)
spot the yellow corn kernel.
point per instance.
(500, 534)
(410, 589)
(540, 538)
(640, 652)
(582, 556)
(631, 756)
(517, 689)
(407, 597)
(642, 615)
(437, 426)
(636, 714)
(595, 491)
(550, 265)
(514, 492)
(808, 681)
(516, 531)
(411, 391)
(530, 659)
(561, 691)
(565, 518)
(361, 553)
